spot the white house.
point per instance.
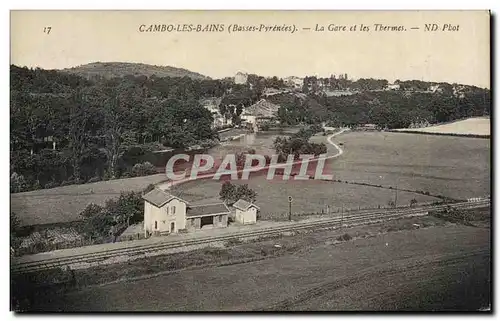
(240, 78)
(294, 82)
(246, 213)
(393, 87)
(163, 212)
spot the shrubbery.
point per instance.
(143, 169)
(17, 183)
(111, 219)
(344, 237)
(231, 193)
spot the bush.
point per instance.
(94, 179)
(143, 169)
(17, 183)
(345, 237)
(66, 183)
(51, 184)
(36, 185)
(233, 241)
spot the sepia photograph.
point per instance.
(249, 161)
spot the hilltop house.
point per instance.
(260, 112)
(393, 87)
(435, 88)
(165, 213)
(294, 82)
(240, 78)
(246, 213)
(213, 105)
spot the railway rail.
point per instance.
(349, 219)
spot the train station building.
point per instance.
(165, 213)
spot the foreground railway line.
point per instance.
(347, 220)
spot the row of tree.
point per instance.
(386, 109)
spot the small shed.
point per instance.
(246, 212)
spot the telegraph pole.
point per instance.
(396, 197)
(342, 218)
(290, 199)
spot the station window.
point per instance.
(156, 225)
(173, 209)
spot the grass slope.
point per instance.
(470, 126)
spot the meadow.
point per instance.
(456, 167)
(64, 204)
(310, 196)
(471, 126)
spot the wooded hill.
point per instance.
(110, 70)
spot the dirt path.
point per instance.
(434, 268)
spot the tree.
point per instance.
(15, 223)
(245, 193)
(77, 133)
(17, 183)
(117, 214)
(227, 192)
(231, 193)
(95, 222)
(118, 138)
(14, 230)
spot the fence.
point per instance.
(283, 216)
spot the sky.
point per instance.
(459, 54)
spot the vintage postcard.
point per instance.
(250, 161)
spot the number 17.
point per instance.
(47, 30)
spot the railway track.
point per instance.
(349, 219)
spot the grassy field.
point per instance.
(470, 126)
(63, 204)
(456, 167)
(310, 196)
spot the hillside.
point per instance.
(120, 69)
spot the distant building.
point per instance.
(459, 91)
(367, 127)
(393, 87)
(294, 82)
(435, 88)
(246, 213)
(165, 213)
(240, 78)
(213, 105)
(261, 111)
